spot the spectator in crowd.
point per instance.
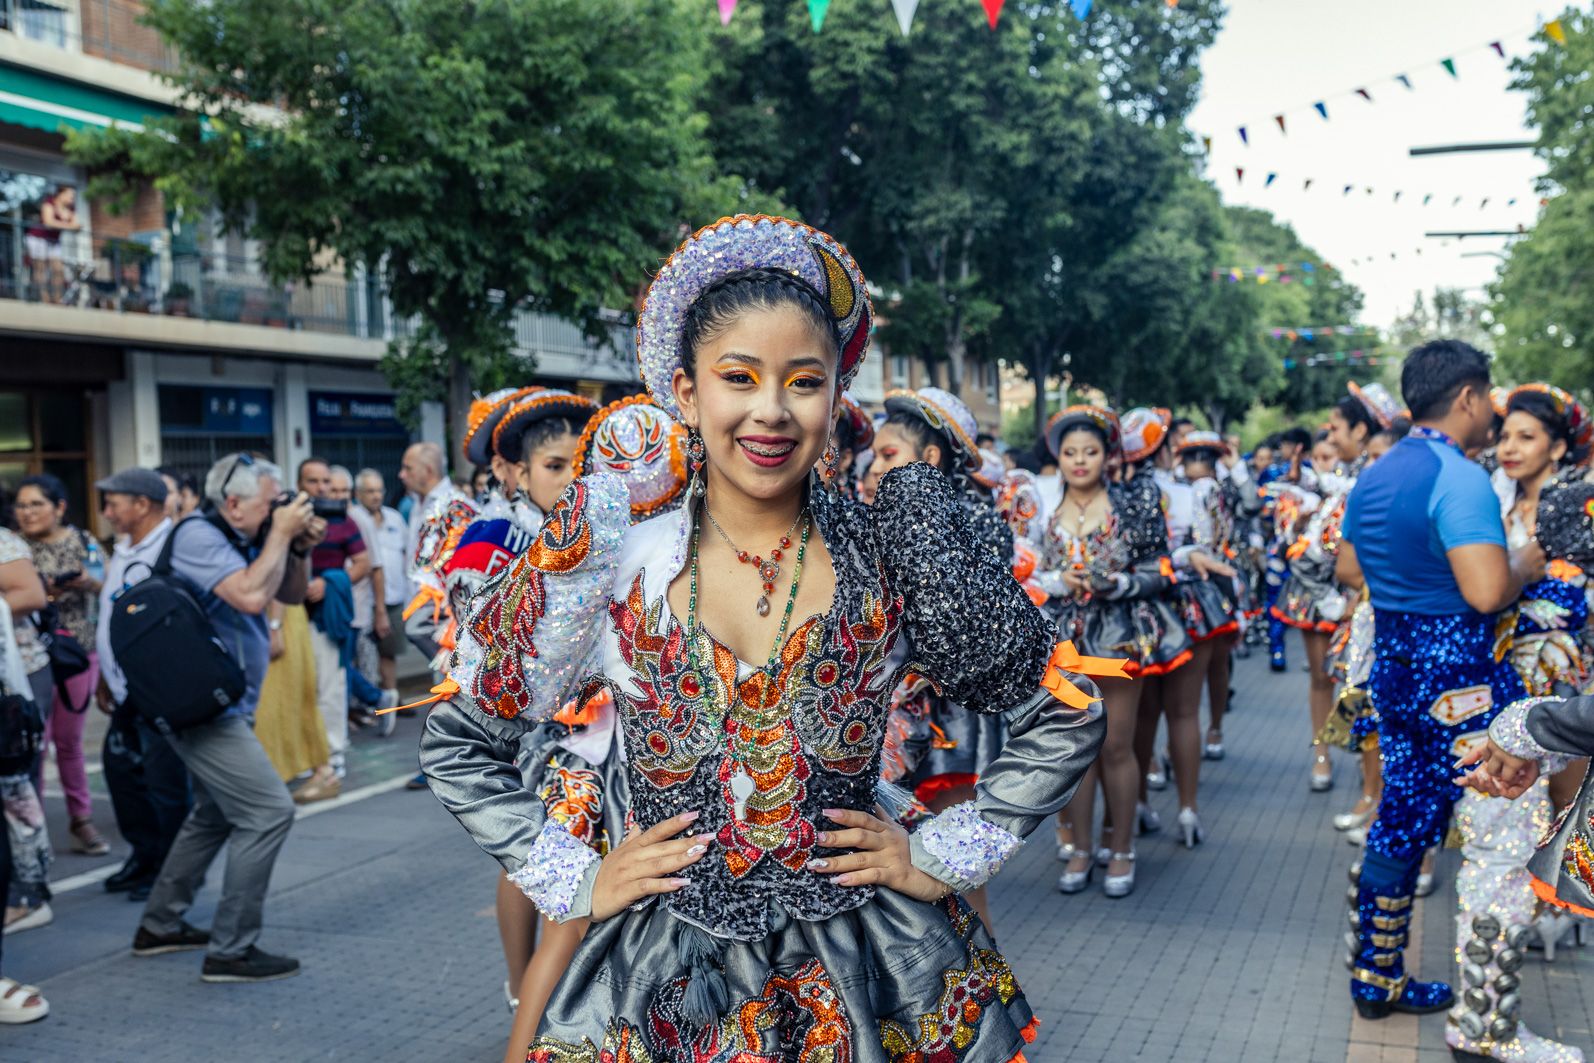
(481, 477)
(363, 672)
(184, 497)
(390, 534)
(174, 490)
(251, 551)
(339, 561)
(28, 893)
(72, 568)
(19, 1003)
(287, 721)
(148, 782)
(1261, 459)
(1181, 427)
(57, 215)
(424, 474)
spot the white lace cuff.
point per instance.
(558, 875)
(961, 848)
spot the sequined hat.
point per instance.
(526, 411)
(944, 412)
(1578, 426)
(1498, 397)
(857, 424)
(642, 445)
(1019, 497)
(749, 241)
(1565, 523)
(1078, 416)
(1377, 400)
(1202, 441)
(1144, 430)
(485, 413)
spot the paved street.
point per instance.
(1231, 952)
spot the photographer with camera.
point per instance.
(251, 547)
(339, 561)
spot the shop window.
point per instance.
(47, 431)
(201, 424)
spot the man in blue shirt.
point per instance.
(252, 547)
(1422, 528)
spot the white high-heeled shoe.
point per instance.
(1353, 819)
(1146, 819)
(1116, 886)
(1075, 881)
(1190, 830)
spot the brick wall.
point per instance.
(111, 30)
(147, 212)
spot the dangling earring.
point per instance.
(832, 463)
(696, 455)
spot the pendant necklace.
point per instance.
(742, 785)
(768, 569)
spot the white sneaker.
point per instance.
(40, 916)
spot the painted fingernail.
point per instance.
(823, 837)
(690, 817)
(818, 865)
(697, 850)
(706, 838)
(680, 883)
(842, 880)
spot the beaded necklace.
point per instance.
(741, 781)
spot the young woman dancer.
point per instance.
(1104, 559)
(747, 909)
(1311, 599)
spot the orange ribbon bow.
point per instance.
(427, 594)
(442, 691)
(1065, 659)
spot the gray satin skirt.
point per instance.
(892, 981)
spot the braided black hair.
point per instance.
(535, 435)
(1356, 413)
(744, 290)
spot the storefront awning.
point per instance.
(36, 100)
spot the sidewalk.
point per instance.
(1231, 952)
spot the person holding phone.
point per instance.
(72, 565)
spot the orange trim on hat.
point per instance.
(554, 398)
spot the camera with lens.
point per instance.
(330, 509)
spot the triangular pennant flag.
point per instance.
(1206, 142)
(1348, 188)
(1307, 187)
(1499, 49)
(1081, 8)
(1322, 109)
(1279, 118)
(1427, 198)
(1239, 174)
(1308, 335)
(1270, 179)
(905, 10)
(727, 7)
(1450, 67)
(993, 10)
(816, 12)
(1245, 138)
(1397, 197)
(1485, 203)
(1555, 31)
(1364, 94)
(1457, 203)
(1511, 202)
(1403, 79)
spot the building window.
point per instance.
(201, 424)
(45, 21)
(47, 431)
(899, 370)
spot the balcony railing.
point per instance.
(106, 29)
(145, 275)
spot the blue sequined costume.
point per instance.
(1437, 681)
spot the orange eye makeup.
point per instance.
(730, 375)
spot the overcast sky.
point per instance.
(1276, 56)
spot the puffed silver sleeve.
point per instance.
(526, 651)
(1535, 728)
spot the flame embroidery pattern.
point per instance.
(825, 702)
(802, 1011)
(441, 534)
(1578, 859)
(506, 621)
(574, 800)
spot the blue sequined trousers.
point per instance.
(1275, 571)
(1436, 680)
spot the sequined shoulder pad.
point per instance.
(536, 622)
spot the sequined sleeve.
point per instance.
(1537, 727)
(1140, 519)
(971, 626)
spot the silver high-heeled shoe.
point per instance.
(1146, 818)
(1116, 886)
(1190, 828)
(1076, 881)
(1353, 819)
(1322, 782)
(1552, 929)
(1213, 750)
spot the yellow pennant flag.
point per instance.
(1555, 31)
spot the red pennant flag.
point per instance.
(1245, 138)
(1364, 94)
(1239, 174)
(993, 10)
(1499, 49)
(1279, 118)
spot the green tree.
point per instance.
(1541, 304)
(482, 157)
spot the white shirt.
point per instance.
(388, 542)
(125, 555)
(364, 593)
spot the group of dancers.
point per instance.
(750, 695)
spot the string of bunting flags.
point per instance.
(906, 9)
(1311, 333)
(1353, 357)
(1279, 272)
(1427, 198)
(1281, 119)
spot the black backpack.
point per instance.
(179, 674)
